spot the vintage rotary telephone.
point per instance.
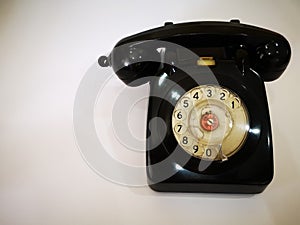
(207, 89)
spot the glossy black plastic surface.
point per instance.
(248, 171)
(245, 57)
(267, 52)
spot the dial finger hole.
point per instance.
(223, 95)
(196, 149)
(180, 128)
(209, 92)
(180, 115)
(186, 103)
(210, 152)
(234, 103)
(186, 140)
(196, 94)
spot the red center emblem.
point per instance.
(209, 122)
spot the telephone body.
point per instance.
(207, 86)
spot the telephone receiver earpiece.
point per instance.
(272, 59)
(133, 61)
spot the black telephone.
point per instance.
(207, 86)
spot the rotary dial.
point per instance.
(210, 122)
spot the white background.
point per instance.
(46, 47)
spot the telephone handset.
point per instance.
(207, 86)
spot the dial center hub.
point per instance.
(209, 122)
